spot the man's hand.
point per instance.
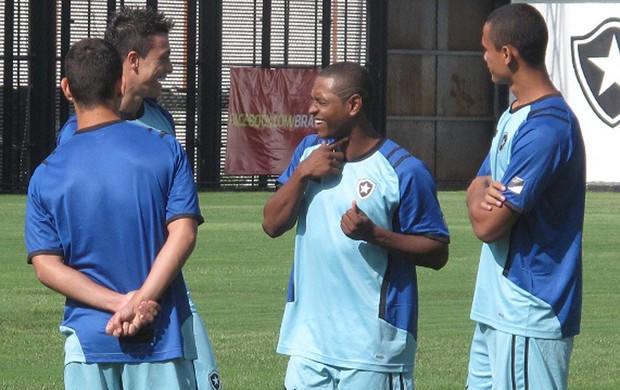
(326, 160)
(132, 316)
(148, 310)
(493, 195)
(486, 193)
(281, 210)
(487, 214)
(356, 224)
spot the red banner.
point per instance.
(267, 118)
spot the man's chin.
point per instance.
(155, 90)
(323, 134)
(152, 93)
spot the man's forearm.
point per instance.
(73, 284)
(489, 222)
(280, 211)
(170, 259)
(476, 191)
(418, 249)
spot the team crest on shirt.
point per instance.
(502, 143)
(365, 188)
(214, 379)
(516, 185)
(596, 61)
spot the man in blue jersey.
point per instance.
(367, 214)
(140, 35)
(527, 205)
(111, 232)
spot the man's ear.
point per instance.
(133, 59)
(511, 57)
(509, 54)
(355, 103)
(64, 85)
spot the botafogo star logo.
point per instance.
(596, 60)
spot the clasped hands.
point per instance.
(132, 315)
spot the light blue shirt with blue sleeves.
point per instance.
(351, 303)
(529, 282)
(152, 116)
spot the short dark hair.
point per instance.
(131, 28)
(351, 78)
(93, 67)
(522, 26)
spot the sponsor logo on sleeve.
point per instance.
(516, 185)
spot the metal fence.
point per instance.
(209, 38)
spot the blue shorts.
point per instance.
(500, 360)
(307, 374)
(204, 368)
(207, 375)
(176, 374)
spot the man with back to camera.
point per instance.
(367, 214)
(111, 232)
(140, 35)
(527, 205)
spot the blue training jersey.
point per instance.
(351, 303)
(153, 116)
(102, 201)
(529, 281)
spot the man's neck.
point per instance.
(363, 139)
(92, 117)
(530, 86)
(131, 105)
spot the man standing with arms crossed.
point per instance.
(110, 232)
(527, 205)
(140, 35)
(367, 214)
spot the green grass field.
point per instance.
(238, 277)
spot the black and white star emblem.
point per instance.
(502, 143)
(214, 379)
(596, 60)
(365, 187)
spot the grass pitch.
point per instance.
(238, 277)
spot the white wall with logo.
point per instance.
(583, 59)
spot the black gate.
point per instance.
(209, 37)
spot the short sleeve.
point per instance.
(40, 230)
(182, 196)
(537, 152)
(419, 211)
